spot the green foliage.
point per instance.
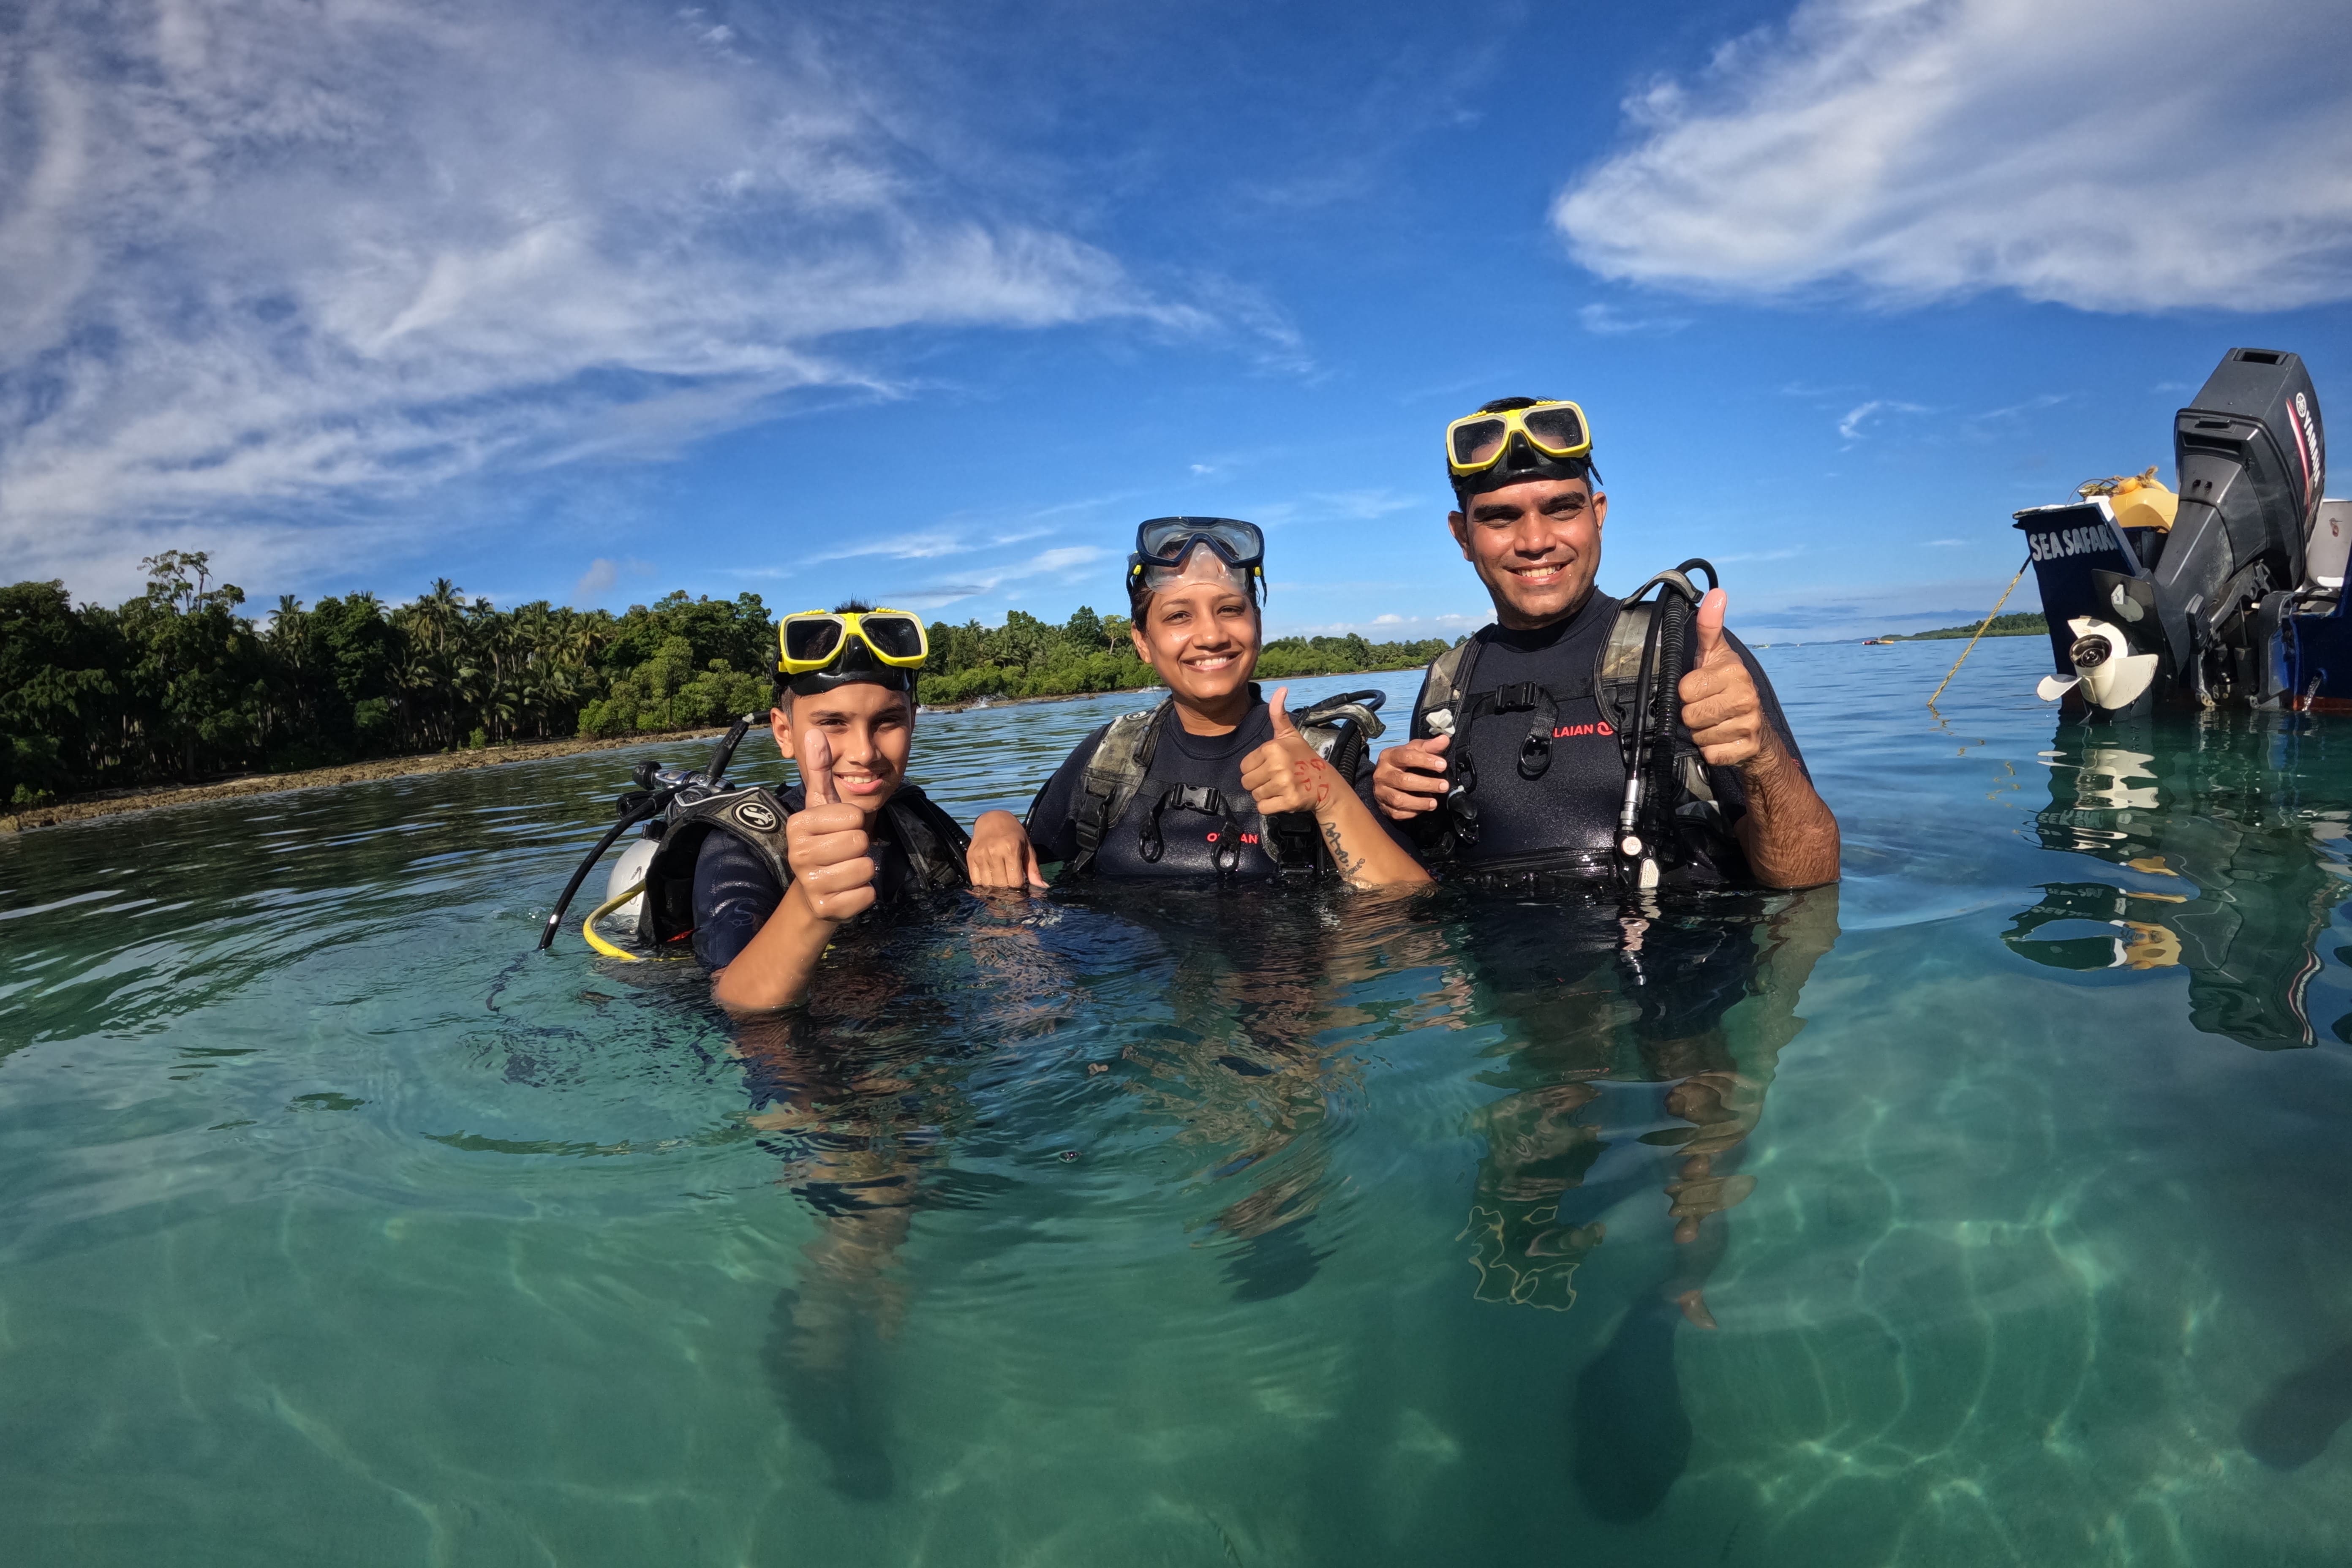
(2018, 624)
(1029, 658)
(178, 684)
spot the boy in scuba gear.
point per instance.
(1214, 783)
(1473, 794)
(773, 878)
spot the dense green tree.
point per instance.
(178, 684)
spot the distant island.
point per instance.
(2025, 624)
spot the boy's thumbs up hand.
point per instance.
(1285, 775)
(1721, 706)
(825, 841)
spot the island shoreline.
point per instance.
(120, 802)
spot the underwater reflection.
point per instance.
(857, 1098)
(2238, 840)
(1642, 1045)
(1255, 1049)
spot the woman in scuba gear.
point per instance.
(1213, 783)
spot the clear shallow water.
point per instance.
(343, 1228)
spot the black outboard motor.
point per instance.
(2192, 612)
(2252, 468)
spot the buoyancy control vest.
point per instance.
(1667, 818)
(929, 837)
(1340, 730)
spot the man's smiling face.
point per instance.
(1536, 545)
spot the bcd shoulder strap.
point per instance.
(1449, 675)
(1113, 776)
(752, 813)
(1617, 669)
(933, 842)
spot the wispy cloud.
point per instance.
(267, 263)
(1607, 321)
(1062, 564)
(1849, 429)
(1852, 145)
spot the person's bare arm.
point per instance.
(832, 878)
(1285, 775)
(1790, 836)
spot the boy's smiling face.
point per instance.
(870, 729)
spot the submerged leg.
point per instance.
(2299, 1415)
(1633, 1434)
(823, 1363)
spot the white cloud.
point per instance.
(2110, 157)
(273, 262)
(1850, 427)
(595, 583)
(1606, 321)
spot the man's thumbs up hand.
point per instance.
(1712, 644)
(1720, 702)
(1285, 775)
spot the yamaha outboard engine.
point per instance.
(2194, 612)
(2252, 468)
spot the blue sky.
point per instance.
(933, 302)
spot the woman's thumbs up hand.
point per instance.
(1285, 775)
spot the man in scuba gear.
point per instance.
(773, 878)
(1214, 783)
(1471, 793)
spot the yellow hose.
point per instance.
(588, 926)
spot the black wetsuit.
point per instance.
(734, 891)
(1572, 805)
(1188, 837)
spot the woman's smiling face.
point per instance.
(1202, 639)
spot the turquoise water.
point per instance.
(344, 1228)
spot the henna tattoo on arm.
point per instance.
(1349, 866)
(1313, 775)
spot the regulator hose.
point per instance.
(1645, 815)
(588, 926)
(651, 806)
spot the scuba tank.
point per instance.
(657, 788)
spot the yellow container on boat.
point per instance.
(2144, 502)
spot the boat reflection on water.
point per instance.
(2237, 854)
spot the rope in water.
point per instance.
(1997, 603)
(588, 926)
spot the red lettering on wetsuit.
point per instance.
(1568, 731)
(1246, 838)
